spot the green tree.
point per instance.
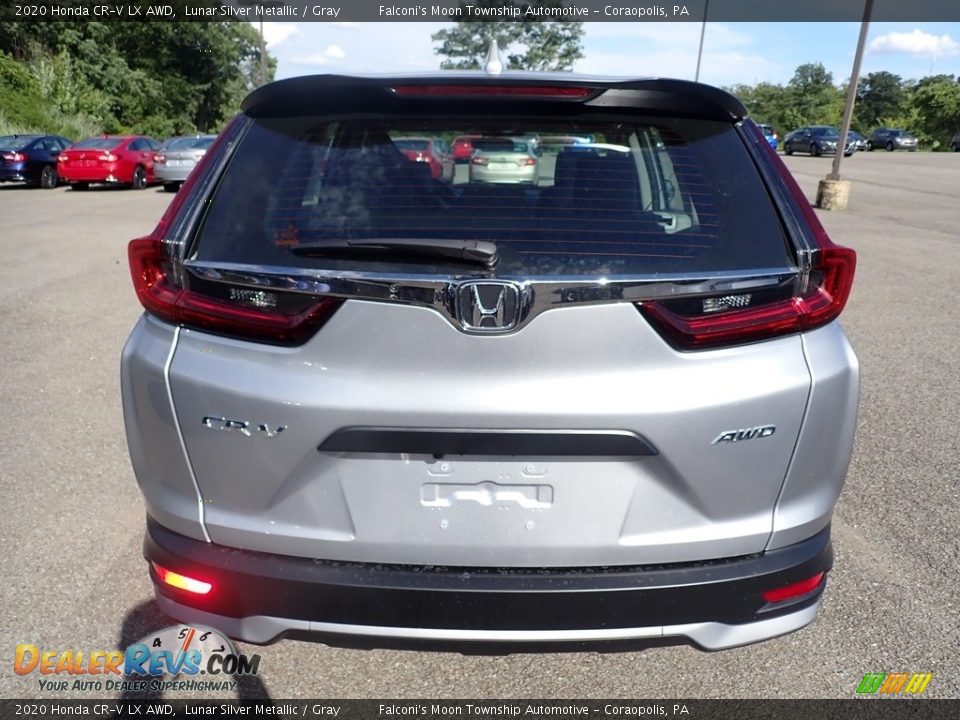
(936, 101)
(813, 98)
(156, 78)
(528, 44)
(767, 103)
(879, 94)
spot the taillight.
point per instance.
(794, 590)
(107, 157)
(160, 158)
(528, 161)
(538, 91)
(715, 324)
(62, 158)
(478, 160)
(283, 318)
(18, 157)
(181, 582)
(747, 317)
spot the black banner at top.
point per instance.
(479, 10)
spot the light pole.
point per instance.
(703, 31)
(833, 193)
(263, 56)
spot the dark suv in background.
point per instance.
(610, 403)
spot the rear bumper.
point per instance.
(172, 174)
(104, 174)
(258, 597)
(13, 173)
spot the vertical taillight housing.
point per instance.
(260, 314)
(748, 317)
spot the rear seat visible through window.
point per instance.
(626, 198)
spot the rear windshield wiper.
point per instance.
(474, 251)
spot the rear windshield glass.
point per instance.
(15, 142)
(97, 144)
(188, 143)
(626, 197)
(407, 144)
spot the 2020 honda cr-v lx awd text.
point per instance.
(613, 404)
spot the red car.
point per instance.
(113, 159)
(463, 147)
(430, 151)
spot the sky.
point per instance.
(733, 53)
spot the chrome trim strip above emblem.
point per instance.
(440, 292)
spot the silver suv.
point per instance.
(612, 404)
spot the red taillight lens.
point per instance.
(794, 590)
(479, 161)
(831, 280)
(539, 91)
(824, 300)
(160, 158)
(107, 157)
(18, 157)
(289, 325)
(62, 158)
(528, 161)
(182, 582)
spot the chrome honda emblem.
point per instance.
(488, 306)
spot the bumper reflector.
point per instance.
(788, 592)
(181, 581)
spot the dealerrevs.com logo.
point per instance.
(182, 657)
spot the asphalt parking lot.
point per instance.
(72, 518)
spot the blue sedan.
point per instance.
(31, 158)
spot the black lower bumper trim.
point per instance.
(247, 583)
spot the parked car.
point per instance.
(463, 148)
(816, 140)
(955, 142)
(857, 141)
(770, 134)
(504, 160)
(430, 151)
(176, 158)
(111, 159)
(612, 404)
(31, 158)
(892, 139)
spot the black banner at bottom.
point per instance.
(858, 709)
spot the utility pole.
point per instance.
(834, 193)
(263, 57)
(703, 31)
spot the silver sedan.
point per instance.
(503, 160)
(177, 157)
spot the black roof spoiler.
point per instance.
(320, 94)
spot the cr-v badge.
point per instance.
(241, 426)
(745, 434)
